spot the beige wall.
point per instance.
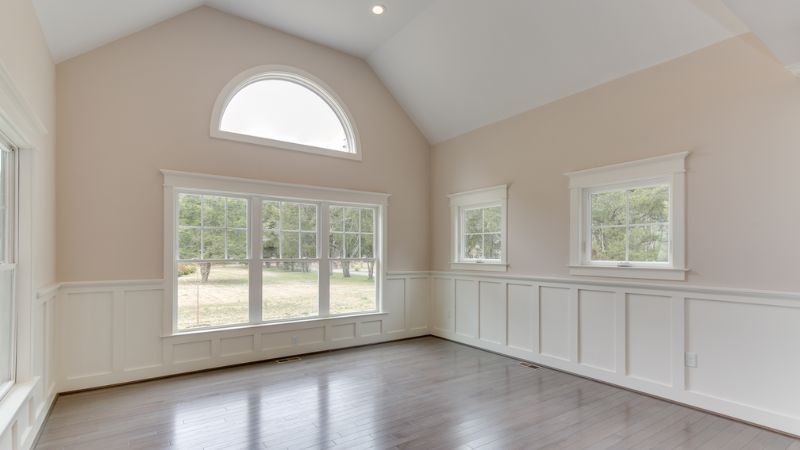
(144, 103)
(25, 56)
(732, 105)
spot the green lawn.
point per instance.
(223, 300)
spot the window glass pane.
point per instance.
(290, 290)
(649, 205)
(212, 294)
(473, 221)
(214, 243)
(351, 246)
(367, 220)
(608, 208)
(271, 245)
(367, 245)
(290, 216)
(608, 244)
(351, 219)
(491, 243)
(290, 242)
(189, 243)
(491, 219)
(213, 211)
(189, 210)
(308, 218)
(352, 287)
(474, 246)
(285, 111)
(336, 218)
(649, 243)
(6, 325)
(237, 244)
(336, 245)
(237, 213)
(308, 245)
(270, 215)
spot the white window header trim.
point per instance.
(650, 168)
(234, 185)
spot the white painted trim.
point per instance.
(489, 267)
(667, 169)
(641, 169)
(221, 183)
(18, 121)
(648, 273)
(294, 75)
(577, 338)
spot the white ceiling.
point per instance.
(776, 23)
(454, 65)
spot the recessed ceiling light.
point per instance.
(378, 9)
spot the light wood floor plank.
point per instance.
(424, 393)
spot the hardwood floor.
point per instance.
(425, 393)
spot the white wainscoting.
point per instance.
(635, 335)
(110, 332)
(24, 409)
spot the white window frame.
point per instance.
(479, 198)
(8, 261)
(176, 182)
(667, 170)
(302, 78)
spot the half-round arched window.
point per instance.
(285, 108)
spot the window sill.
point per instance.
(267, 325)
(487, 267)
(647, 273)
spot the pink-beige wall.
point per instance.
(26, 58)
(732, 105)
(144, 103)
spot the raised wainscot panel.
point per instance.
(370, 328)
(492, 312)
(417, 303)
(85, 322)
(596, 319)
(142, 319)
(443, 304)
(191, 351)
(467, 308)
(394, 303)
(523, 318)
(286, 339)
(554, 321)
(649, 338)
(236, 345)
(746, 353)
(343, 332)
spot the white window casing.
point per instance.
(667, 170)
(176, 182)
(496, 196)
(301, 78)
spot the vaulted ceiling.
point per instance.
(454, 65)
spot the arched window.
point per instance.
(285, 108)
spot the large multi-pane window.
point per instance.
(252, 259)
(7, 265)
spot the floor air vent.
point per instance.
(528, 365)
(287, 360)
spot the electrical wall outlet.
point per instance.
(691, 359)
(294, 340)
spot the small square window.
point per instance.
(479, 229)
